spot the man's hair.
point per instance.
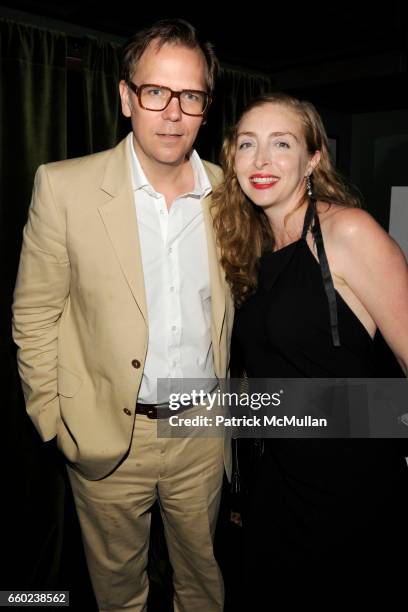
(168, 31)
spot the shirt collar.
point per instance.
(202, 185)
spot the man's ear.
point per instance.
(205, 116)
(125, 99)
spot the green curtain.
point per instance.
(104, 124)
(33, 123)
(32, 131)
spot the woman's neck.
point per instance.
(287, 223)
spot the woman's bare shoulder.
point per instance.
(355, 231)
(346, 223)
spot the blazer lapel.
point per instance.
(119, 217)
(217, 282)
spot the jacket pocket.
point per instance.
(68, 382)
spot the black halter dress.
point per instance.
(320, 514)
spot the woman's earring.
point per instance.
(309, 186)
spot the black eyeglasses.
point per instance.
(157, 98)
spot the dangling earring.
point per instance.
(309, 186)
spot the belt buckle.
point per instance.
(152, 412)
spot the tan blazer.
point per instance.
(79, 312)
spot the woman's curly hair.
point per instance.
(242, 228)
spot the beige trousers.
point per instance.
(185, 474)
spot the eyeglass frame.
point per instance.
(173, 94)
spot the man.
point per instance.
(120, 285)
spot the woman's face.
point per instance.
(271, 159)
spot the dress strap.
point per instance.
(325, 270)
(310, 213)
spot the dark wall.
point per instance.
(338, 126)
(379, 158)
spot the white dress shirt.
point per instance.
(177, 286)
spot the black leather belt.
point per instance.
(162, 411)
(159, 411)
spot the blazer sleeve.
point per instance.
(40, 294)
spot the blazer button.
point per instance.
(136, 363)
(127, 411)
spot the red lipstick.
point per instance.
(263, 181)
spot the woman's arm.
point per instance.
(373, 266)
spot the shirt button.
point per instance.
(136, 363)
(127, 411)
(173, 327)
(161, 211)
(172, 289)
(170, 250)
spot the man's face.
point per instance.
(164, 137)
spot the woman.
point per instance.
(315, 280)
